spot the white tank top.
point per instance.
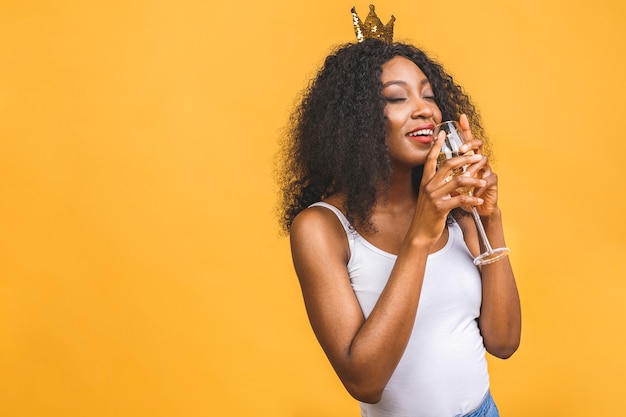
(443, 371)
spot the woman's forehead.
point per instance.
(401, 69)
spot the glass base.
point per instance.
(491, 257)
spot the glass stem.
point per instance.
(481, 230)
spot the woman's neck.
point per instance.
(398, 192)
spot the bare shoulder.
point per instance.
(318, 230)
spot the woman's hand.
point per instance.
(481, 169)
(438, 194)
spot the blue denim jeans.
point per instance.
(486, 409)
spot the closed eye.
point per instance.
(395, 99)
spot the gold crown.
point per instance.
(372, 28)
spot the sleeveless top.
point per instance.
(443, 371)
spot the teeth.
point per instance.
(423, 132)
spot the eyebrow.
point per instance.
(403, 83)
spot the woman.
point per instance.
(380, 242)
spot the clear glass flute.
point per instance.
(450, 149)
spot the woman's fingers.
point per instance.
(491, 182)
(451, 176)
(477, 168)
(431, 160)
(457, 164)
(471, 143)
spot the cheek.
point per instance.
(396, 119)
(437, 115)
(392, 124)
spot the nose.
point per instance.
(421, 109)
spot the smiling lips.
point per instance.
(422, 135)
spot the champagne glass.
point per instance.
(450, 149)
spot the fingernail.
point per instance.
(480, 201)
(483, 183)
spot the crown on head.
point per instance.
(372, 28)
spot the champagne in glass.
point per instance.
(450, 149)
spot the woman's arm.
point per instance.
(500, 318)
(364, 353)
(500, 315)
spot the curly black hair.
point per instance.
(336, 135)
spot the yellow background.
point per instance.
(142, 273)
